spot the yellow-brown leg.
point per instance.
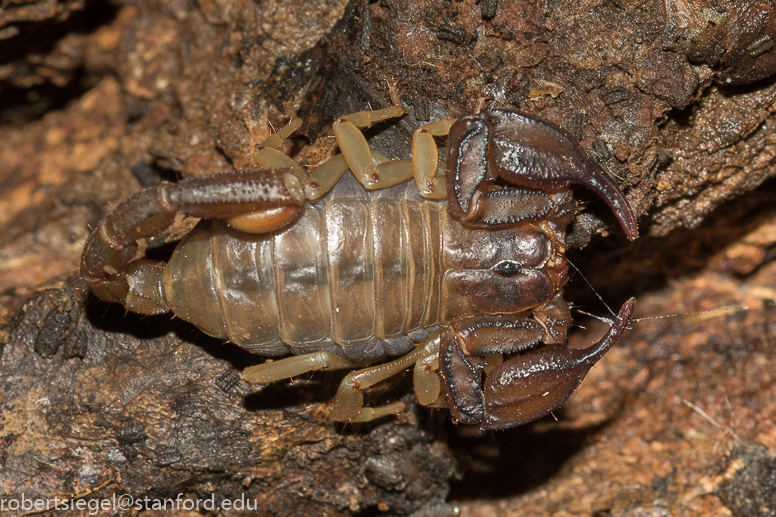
(429, 173)
(360, 158)
(270, 157)
(295, 365)
(349, 402)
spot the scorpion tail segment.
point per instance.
(256, 200)
(112, 245)
(100, 263)
(111, 274)
(530, 386)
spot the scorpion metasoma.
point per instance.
(461, 277)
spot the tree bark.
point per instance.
(674, 99)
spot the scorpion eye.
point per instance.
(507, 268)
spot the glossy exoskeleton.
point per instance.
(468, 291)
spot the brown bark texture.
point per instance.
(675, 99)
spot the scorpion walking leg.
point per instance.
(429, 173)
(316, 183)
(323, 177)
(428, 388)
(275, 140)
(294, 366)
(360, 159)
(254, 201)
(268, 154)
(349, 402)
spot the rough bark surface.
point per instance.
(674, 98)
(140, 407)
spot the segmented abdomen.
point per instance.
(352, 276)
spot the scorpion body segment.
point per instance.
(356, 276)
(337, 280)
(469, 288)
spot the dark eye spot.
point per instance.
(507, 268)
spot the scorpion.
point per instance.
(461, 276)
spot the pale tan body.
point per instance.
(357, 277)
(353, 275)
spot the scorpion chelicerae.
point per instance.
(468, 291)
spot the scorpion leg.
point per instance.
(367, 165)
(324, 176)
(424, 166)
(316, 183)
(361, 159)
(270, 157)
(523, 388)
(294, 366)
(254, 201)
(275, 140)
(429, 173)
(428, 388)
(525, 152)
(349, 402)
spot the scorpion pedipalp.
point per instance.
(524, 152)
(522, 388)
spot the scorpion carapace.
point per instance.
(468, 292)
